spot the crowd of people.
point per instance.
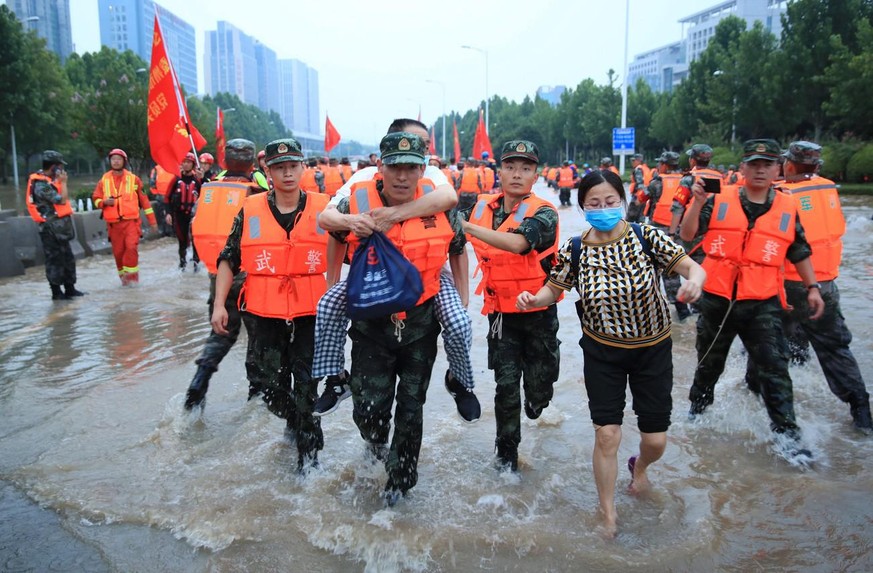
(754, 252)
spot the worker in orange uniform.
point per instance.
(120, 195)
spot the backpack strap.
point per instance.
(647, 247)
(575, 253)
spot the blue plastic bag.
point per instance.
(381, 280)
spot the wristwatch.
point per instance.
(812, 286)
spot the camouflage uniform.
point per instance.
(674, 281)
(758, 323)
(635, 208)
(56, 234)
(523, 348)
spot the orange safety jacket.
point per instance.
(742, 261)
(669, 185)
(818, 206)
(470, 181)
(553, 174)
(285, 271)
(64, 209)
(128, 199)
(218, 204)
(307, 181)
(647, 178)
(450, 175)
(333, 180)
(614, 169)
(346, 172)
(505, 274)
(565, 178)
(423, 240)
(487, 179)
(163, 180)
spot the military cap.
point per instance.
(565, 163)
(606, 161)
(700, 151)
(637, 156)
(51, 156)
(402, 147)
(520, 149)
(670, 158)
(767, 149)
(241, 150)
(282, 150)
(804, 152)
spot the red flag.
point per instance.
(457, 142)
(171, 135)
(431, 147)
(480, 140)
(220, 140)
(331, 135)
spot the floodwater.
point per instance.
(102, 470)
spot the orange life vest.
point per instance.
(450, 176)
(61, 210)
(307, 181)
(505, 275)
(162, 181)
(471, 181)
(647, 178)
(818, 206)
(333, 179)
(749, 261)
(669, 185)
(614, 169)
(126, 197)
(565, 177)
(553, 174)
(487, 179)
(219, 203)
(285, 272)
(423, 240)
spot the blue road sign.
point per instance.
(623, 140)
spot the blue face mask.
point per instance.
(604, 219)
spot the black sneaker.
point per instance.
(531, 412)
(861, 418)
(465, 400)
(336, 389)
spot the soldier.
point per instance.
(379, 355)
(567, 181)
(640, 179)
(48, 203)
(469, 184)
(819, 210)
(515, 236)
(755, 230)
(120, 194)
(276, 238)
(606, 165)
(217, 206)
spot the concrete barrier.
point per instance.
(10, 266)
(91, 232)
(25, 241)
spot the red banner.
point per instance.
(220, 140)
(331, 135)
(168, 125)
(431, 147)
(480, 140)
(457, 149)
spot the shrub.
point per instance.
(860, 166)
(836, 158)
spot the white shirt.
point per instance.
(367, 173)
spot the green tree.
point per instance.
(851, 75)
(641, 105)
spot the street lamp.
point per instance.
(442, 85)
(485, 53)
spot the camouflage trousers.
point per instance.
(564, 195)
(280, 355)
(466, 200)
(376, 367)
(830, 339)
(634, 211)
(672, 282)
(60, 264)
(758, 323)
(523, 351)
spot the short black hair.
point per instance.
(403, 123)
(597, 177)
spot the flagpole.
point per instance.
(183, 109)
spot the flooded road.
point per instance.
(102, 470)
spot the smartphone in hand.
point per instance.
(711, 185)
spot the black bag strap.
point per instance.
(647, 247)
(575, 253)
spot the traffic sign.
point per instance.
(623, 139)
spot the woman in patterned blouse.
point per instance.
(625, 327)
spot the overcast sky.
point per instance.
(374, 59)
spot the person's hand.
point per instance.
(362, 225)
(109, 201)
(384, 218)
(62, 176)
(816, 303)
(525, 301)
(169, 219)
(219, 320)
(689, 292)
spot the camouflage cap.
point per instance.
(402, 147)
(51, 156)
(637, 156)
(606, 161)
(804, 152)
(671, 158)
(282, 150)
(700, 151)
(767, 149)
(241, 150)
(520, 149)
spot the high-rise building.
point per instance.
(268, 78)
(551, 94)
(299, 93)
(665, 68)
(51, 21)
(231, 65)
(129, 25)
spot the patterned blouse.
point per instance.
(621, 299)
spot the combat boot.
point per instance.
(70, 291)
(56, 293)
(861, 417)
(199, 385)
(507, 456)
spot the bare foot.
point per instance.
(639, 484)
(608, 529)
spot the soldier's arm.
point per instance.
(439, 200)
(511, 242)
(223, 281)
(696, 219)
